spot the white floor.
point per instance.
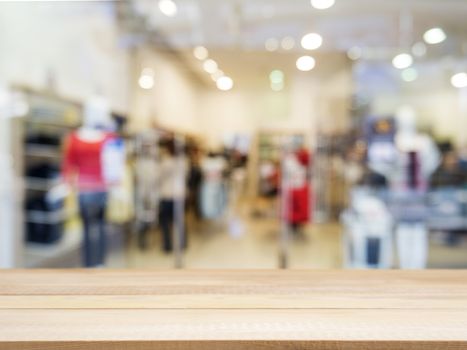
(211, 246)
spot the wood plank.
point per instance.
(233, 301)
(341, 310)
(252, 324)
(229, 345)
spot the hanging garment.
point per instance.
(213, 195)
(120, 206)
(297, 190)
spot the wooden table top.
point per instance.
(250, 309)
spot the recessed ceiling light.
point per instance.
(410, 74)
(288, 43)
(210, 66)
(434, 36)
(146, 79)
(402, 61)
(459, 80)
(322, 4)
(305, 63)
(168, 7)
(224, 83)
(419, 49)
(201, 53)
(272, 44)
(354, 53)
(276, 76)
(312, 41)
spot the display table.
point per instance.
(142, 310)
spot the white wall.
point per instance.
(443, 110)
(439, 106)
(77, 43)
(307, 104)
(173, 102)
(74, 42)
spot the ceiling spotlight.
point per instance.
(168, 7)
(322, 4)
(306, 63)
(210, 66)
(276, 76)
(272, 44)
(402, 61)
(224, 83)
(419, 49)
(146, 79)
(201, 53)
(312, 41)
(459, 80)
(410, 74)
(434, 36)
(288, 43)
(354, 53)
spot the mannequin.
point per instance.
(408, 174)
(295, 172)
(93, 162)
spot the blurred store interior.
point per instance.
(194, 134)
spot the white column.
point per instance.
(11, 232)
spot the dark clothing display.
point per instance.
(92, 209)
(448, 178)
(413, 171)
(44, 171)
(44, 220)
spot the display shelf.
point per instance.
(38, 150)
(49, 119)
(39, 184)
(40, 124)
(43, 217)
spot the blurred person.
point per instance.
(147, 179)
(172, 192)
(195, 180)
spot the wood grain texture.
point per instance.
(142, 310)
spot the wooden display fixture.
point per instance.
(143, 310)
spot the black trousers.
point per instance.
(166, 221)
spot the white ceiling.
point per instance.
(247, 24)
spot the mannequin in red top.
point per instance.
(85, 168)
(297, 190)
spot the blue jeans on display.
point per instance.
(92, 207)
